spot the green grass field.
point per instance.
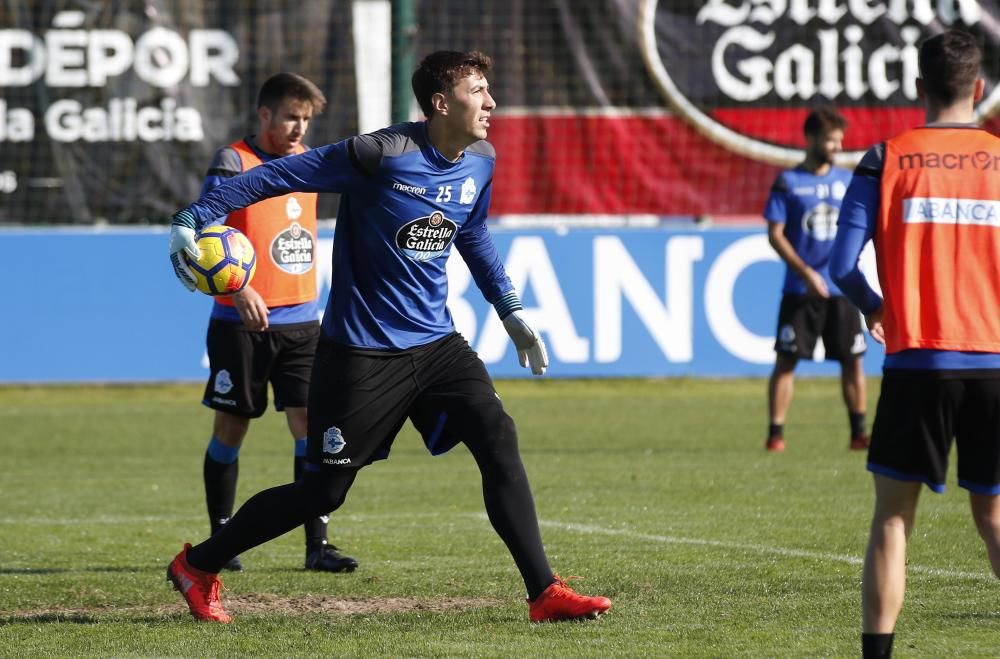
(659, 493)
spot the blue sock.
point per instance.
(221, 453)
(300, 448)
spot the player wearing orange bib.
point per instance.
(930, 200)
(268, 331)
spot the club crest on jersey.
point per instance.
(333, 440)
(293, 209)
(292, 250)
(426, 238)
(223, 382)
(468, 191)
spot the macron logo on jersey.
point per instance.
(941, 210)
(409, 189)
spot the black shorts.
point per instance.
(802, 319)
(243, 362)
(360, 399)
(919, 412)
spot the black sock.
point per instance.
(857, 423)
(876, 646)
(509, 504)
(315, 528)
(271, 513)
(776, 430)
(220, 490)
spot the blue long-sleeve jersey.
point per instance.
(858, 216)
(403, 206)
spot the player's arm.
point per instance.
(776, 213)
(476, 246)
(249, 304)
(814, 281)
(326, 169)
(225, 165)
(855, 227)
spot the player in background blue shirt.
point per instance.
(388, 349)
(801, 214)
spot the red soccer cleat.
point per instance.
(560, 602)
(200, 589)
(860, 442)
(775, 444)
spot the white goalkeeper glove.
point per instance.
(530, 346)
(182, 240)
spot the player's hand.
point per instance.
(181, 241)
(874, 322)
(530, 347)
(815, 284)
(252, 309)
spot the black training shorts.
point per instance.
(360, 399)
(802, 319)
(243, 362)
(919, 412)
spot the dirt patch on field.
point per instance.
(264, 603)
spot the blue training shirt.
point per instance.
(402, 208)
(808, 205)
(857, 226)
(225, 165)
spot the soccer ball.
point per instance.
(227, 262)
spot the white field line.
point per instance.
(565, 526)
(760, 549)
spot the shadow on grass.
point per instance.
(67, 570)
(84, 619)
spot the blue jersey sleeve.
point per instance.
(856, 226)
(326, 169)
(776, 208)
(476, 246)
(225, 165)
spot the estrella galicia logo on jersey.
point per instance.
(333, 440)
(223, 382)
(820, 221)
(426, 238)
(468, 191)
(293, 250)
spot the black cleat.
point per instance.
(234, 565)
(327, 558)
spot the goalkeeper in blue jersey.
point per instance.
(388, 349)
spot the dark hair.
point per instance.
(440, 71)
(949, 66)
(290, 85)
(822, 120)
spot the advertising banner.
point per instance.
(111, 111)
(103, 306)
